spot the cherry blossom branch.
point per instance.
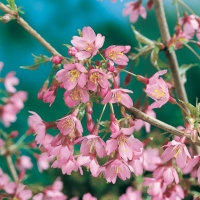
(11, 167)
(29, 29)
(171, 57)
(166, 127)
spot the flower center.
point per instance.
(76, 94)
(73, 75)
(68, 123)
(114, 54)
(117, 97)
(89, 47)
(95, 78)
(158, 93)
(177, 151)
(122, 142)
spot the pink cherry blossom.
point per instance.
(97, 78)
(10, 81)
(70, 124)
(176, 149)
(168, 173)
(193, 163)
(23, 163)
(151, 159)
(18, 99)
(76, 96)
(119, 96)
(125, 144)
(87, 45)
(43, 161)
(38, 126)
(116, 54)
(116, 168)
(158, 90)
(5, 184)
(88, 196)
(92, 144)
(90, 162)
(71, 75)
(8, 114)
(134, 9)
(131, 194)
(189, 24)
(22, 193)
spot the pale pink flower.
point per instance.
(189, 23)
(88, 196)
(114, 168)
(193, 163)
(8, 114)
(156, 187)
(10, 81)
(97, 78)
(71, 75)
(140, 123)
(5, 184)
(70, 124)
(92, 144)
(116, 54)
(158, 90)
(90, 162)
(43, 161)
(119, 95)
(76, 96)
(18, 99)
(137, 166)
(178, 150)
(134, 9)
(125, 144)
(23, 163)
(52, 192)
(168, 173)
(151, 159)
(22, 193)
(38, 126)
(87, 45)
(72, 51)
(131, 195)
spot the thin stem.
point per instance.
(28, 28)
(111, 108)
(21, 139)
(183, 109)
(193, 51)
(166, 127)
(123, 70)
(11, 167)
(186, 6)
(101, 114)
(177, 11)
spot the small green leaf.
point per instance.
(154, 57)
(193, 110)
(141, 38)
(67, 45)
(105, 123)
(12, 4)
(31, 67)
(183, 69)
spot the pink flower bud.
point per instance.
(72, 51)
(14, 134)
(89, 108)
(43, 90)
(57, 59)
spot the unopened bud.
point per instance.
(72, 51)
(57, 59)
(14, 134)
(6, 18)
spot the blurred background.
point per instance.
(58, 22)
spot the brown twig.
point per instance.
(171, 57)
(28, 28)
(166, 127)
